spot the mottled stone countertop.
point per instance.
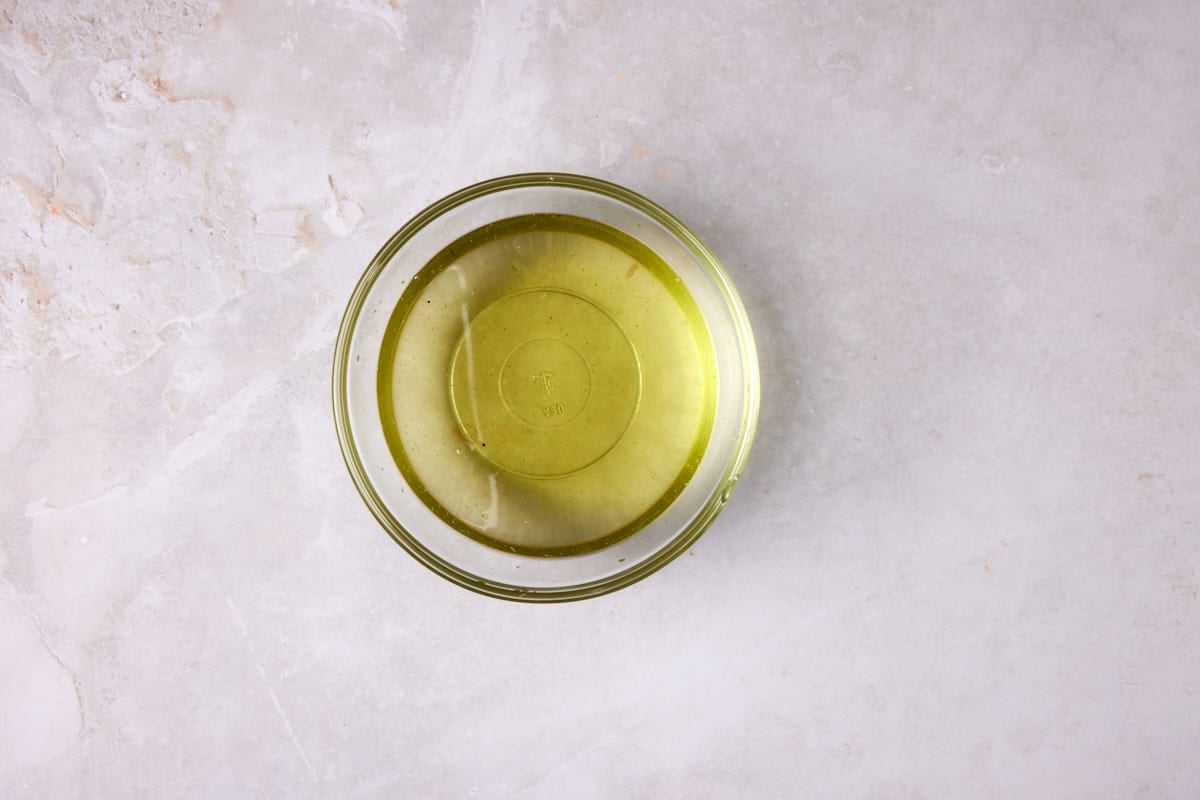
(964, 560)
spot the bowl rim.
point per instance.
(412, 543)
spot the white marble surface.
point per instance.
(964, 560)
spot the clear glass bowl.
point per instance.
(619, 410)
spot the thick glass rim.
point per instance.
(412, 543)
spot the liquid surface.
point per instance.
(547, 385)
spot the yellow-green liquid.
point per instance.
(547, 385)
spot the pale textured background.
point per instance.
(964, 560)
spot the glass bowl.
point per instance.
(545, 387)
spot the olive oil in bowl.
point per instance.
(547, 384)
(544, 387)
